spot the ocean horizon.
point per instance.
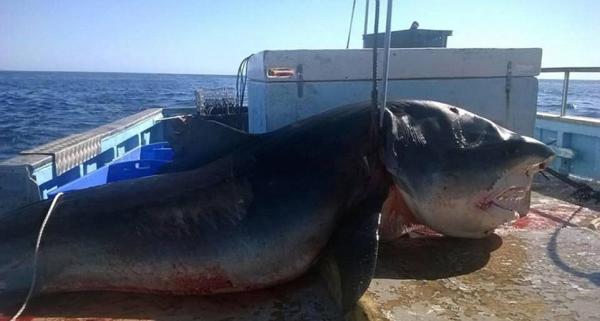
(116, 72)
(46, 105)
(204, 74)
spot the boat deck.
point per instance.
(544, 267)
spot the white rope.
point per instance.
(35, 257)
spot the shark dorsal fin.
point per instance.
(197, 142)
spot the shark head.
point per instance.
(458, 173)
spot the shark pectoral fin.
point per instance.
(197, 142)
(348, 263)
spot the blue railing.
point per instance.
(566, 78)
(576, 140)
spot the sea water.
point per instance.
(38, 107)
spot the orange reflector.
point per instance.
(280, 73)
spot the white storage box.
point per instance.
(288, 85)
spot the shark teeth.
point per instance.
(511, 198)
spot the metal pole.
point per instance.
(565, 93)
(366, 19)
(350, 28)
(374, 92)
(386, 60)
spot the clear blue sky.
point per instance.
(208, 36)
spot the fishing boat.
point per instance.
(283, 87)
(544, 266)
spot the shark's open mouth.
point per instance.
(511, 199)
(511, 193)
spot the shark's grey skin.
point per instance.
(237, 212)
(248, 217)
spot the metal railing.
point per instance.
(567, 72)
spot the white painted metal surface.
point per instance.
(290, 85)
(417, 63)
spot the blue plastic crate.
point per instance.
(140, 162)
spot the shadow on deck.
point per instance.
(434, 257)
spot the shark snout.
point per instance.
(536, 151)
